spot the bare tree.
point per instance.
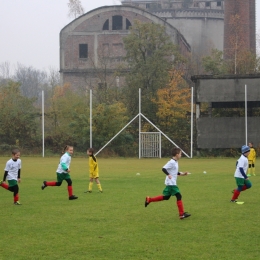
(75, 8)
(5, 70)
(31, 80)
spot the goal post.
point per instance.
(150, 144)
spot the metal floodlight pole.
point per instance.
(140, 123)
(246, 113)
(42, 123)
(90, 118)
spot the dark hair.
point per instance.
(15, 151)
(91, 150)
(66, 148)
(175, 151)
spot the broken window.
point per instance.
(83, 51)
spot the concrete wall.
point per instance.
(227, 132)
(227, 89)
(203, 29)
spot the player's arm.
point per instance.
(242, 172)
(5, 175)
(94, 161)
(19, 175)
(167, 173)
(63, 163)
(182, 173)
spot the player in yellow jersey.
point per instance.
(93, 171)
(251, 159)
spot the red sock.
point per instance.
(70, 191)
(5, 186)
(244, 188)
(235, 195)
(16, 197)
(155, 199)
(50, 183)
(180, 207)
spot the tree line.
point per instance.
(155, 65)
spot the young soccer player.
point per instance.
(242, 181)
(93, 171)
(63, 172)
(13, 174)
(251, 160)
(171, 169)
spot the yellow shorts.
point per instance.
(94, 175)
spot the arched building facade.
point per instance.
(94, 42)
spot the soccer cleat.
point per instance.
(146, 202)
(233, 201)
(44, 185)
(88, 191)
(17, 203)
(185, 215)
(73, 197)
(100, 191)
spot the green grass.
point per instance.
(116, 225)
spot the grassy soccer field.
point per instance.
(116, 225)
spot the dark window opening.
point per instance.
(128, 24)
(106, 25)
(207, 4)
(83, 51)
(147, 6)
(196, 4)
(117, 22)
(218, 3)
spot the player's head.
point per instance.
(68, 148)
(90, 151)
(176, 152)
(16, 153)
(250, 144)
(245, 150)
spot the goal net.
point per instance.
(150, 144)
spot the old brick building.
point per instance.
(91, 46)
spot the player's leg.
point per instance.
(166, 195)
(70, 189)
(249, 168)
(4, 185)
(179, 203)
(242, 185)
(53, 183)
(253, 168)
(90, 185)
(16, 195)
(98, 184)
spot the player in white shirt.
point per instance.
(242, 181)
(12, 175)
(171, 169)
(63, 172)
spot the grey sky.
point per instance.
(30, 29)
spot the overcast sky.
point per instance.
(30, 29)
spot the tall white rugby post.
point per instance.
(90, 118)
(42, 123)
(246, 113)
(140, 118)
(191, 122)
